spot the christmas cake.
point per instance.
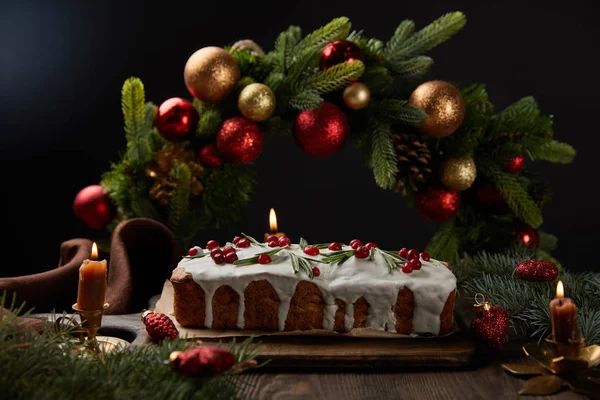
(279, 286)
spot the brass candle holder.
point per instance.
(91, 320)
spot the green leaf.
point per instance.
(336, 77)
(139, 150)
(252, 240)
(303, 243)
(306, 100)
(400, 111)
(295, 262)
(555, 152)
(403, 32)
(337, 29)
(383, 155)
(444, 244)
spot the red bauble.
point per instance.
(437, 204)
(202, 361)
(321, 132)
(209, 156)
(537, 271)
(490, 199)
(339, 51)
(159, 326)
(491, 326)
(93, 207)
(176, 119)
(527, 236)
(239, 140)
(516, 164)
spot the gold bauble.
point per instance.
(444, 105)
(357, 96)
(256, 102)
(211, 73)
(458, 173)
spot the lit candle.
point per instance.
(273, 225)
(92, 283)
(563, 316)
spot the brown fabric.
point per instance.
(143, 254)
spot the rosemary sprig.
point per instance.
(252, 240)
(338, 257)
(301, 264)
(392, 260)
(254, 259)
(200, 255)
(322, 246)
(303, 243)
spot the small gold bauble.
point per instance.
(444, 105)
(256, 102)
(357, 96)
(211, 73)
(458, 173)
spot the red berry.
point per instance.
(355, 243)
(284, 241)
(271, 237)
(371, 245)
(273, 243)
(412, 253)
(215, 252)
(227, 250)
(311, 250)
(264, 259)
(316, 271)
(231, 257)
(236, 239)
(407, 268)
(193, 251)
(212, 244)
(362, 252)
(415, 263)
(335, 246)
(243, 243)
(219, 258)
(425, 256)
(403, 252)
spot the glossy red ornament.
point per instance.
(527, 235)
(176, 119)
(159, 326)
(243, 243)
(316, 271)
(321, 132)
(239, 140)
(334, 246)
(437, 204)
(311, 250)
(537, 271)
(202, 361)
(209, 156)
(490, 326)
(362, 252)
(339, 51)
(92, 206)
(264, 259)
(516, 164)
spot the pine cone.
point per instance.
(413, 161)
(159, 326)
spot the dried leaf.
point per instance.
(542, 385)
(524, 369)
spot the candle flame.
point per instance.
(94, 251)
(273, 221)
(560, 290)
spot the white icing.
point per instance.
(430, 286)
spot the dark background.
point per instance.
(62, 65)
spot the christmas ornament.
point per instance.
(526, 235)
(209, 156)
(515, 164)
(458, 173)
(537, 271)
(176, 119)
(160, 173)
(93, 207)
(202, 361)
(413, 161)
(211, 73)
(437, 204)
(356, 96)
(488, 197)
(321, 132)
(444, 105)
(239, 140)
(256, 102)
(491, 323)
(159, 326)
(248, 44)
(339, 51)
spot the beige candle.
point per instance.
(92, 283)
(273, 225)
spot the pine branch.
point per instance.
(306, 100)
(336, 77)
(337, 29)
(400, 111)
(555, 152)
(383, 156)
(415, 67)
(444, 244)
(139, 151)
(180, 199)
(277, 126)
(547, 242)
(403, 32)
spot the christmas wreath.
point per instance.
(445, 149)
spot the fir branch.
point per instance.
(547, 242)
(337, 29)
(383, 155)
(226, 191)
(555, 152)
(444, 244)
(400, 111)
(277, 126)
(306, 100)
(403, 32)
(336, 77)
(139, 151)
(412, 68)
(180, 199)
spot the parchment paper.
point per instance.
(165, 305)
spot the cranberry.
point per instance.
(362, 252)
(371, 245)
(316, 271)
(355, 243)
(335, 246)
(412, 253)
(231, 257)
(271, 237)
(215, 252)
(219, 258)
(284, 241)
(403, 252)
(243, 243)
(407, 268)
(227, 250)
(212, 244)
(236, 239)
(415, 263)
(264, 259)
(311, 250)
(273, 243)
(193, 251)
(425, 256)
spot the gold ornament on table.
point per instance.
(256, 102)
(163, 186)
(357, 95)
(413, 155)
(444, 105)
(211, 73)
(458, 173)
(247, 44)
